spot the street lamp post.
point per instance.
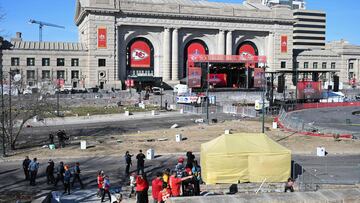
(10, 119)
(207, 92)
(2, 98)
(58, 99)
(263, 101)
(161, 93)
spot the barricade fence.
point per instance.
(240, 110)
(199, 109)
(296, 124)
(326, 105)
(304, 179)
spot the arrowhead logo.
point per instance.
(102, 37)
(139, 55)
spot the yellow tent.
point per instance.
(244, 157)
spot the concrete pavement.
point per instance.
(101, 118)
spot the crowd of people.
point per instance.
(64, 173)
(183, 179)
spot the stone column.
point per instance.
(175, 55)
(270, 51)
(221, 42)
(166, 55)
(229, 43)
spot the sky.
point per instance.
(342, 18)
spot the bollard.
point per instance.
(154, 113)
(178, 137)
(182, 111)
(274, 125)
(150, 154)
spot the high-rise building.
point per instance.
(309, 29)
(294, 4)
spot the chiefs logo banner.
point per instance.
(194, 77)
(102, 38)
(284, 42)
(140, 55)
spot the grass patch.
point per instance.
(94, 110)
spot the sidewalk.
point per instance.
(100, 118)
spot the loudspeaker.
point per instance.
(336, 83)
(281, 84)
(102, 74)
(315, 76)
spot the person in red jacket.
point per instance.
(100, 181)
(156, 186)
(164, 194)
(142, 187)
(175, 184)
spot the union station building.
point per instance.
(150, 41)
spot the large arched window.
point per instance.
(194, 47)
(247, 48)
(140, 57)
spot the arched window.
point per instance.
(140, 57)
(246, 48)
(194, 47)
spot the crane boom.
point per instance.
(42, 24)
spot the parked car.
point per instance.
(157, 90)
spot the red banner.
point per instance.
(284, 41)
(129, 83)
(195, 49)
(259, 80)
(219, 80)
(140, 55)
(194, 77)
(309, 90)
(227, 59)
(102, 38)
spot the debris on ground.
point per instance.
(200, 120)
(174, 126)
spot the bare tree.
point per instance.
(19, 110)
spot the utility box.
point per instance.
(178, 137)
(150, 154)
(127, 113)
(82, 144)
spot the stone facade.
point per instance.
(26, 58)
(169, 26)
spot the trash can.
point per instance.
(150, 154)
(178, 137)
(51, 146)
(320, 151)
(83, 144)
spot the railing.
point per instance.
(296, 124)
(240, 110)
(305, 180)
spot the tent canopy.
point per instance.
(244, 157)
